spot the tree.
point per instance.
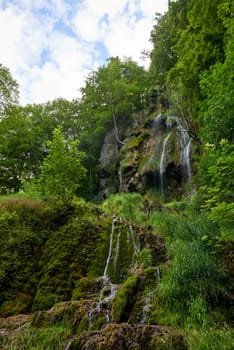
(20, 152)
(217, 87)
(109, 99)
(24, 132)
(112, 94)
(62, 169)
(9, 89)
(217, 175)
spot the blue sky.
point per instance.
(50, 46)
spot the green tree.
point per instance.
(216, 192)
(62, 169)
(9, 90)
(112, 94)
(20, 151)
(109, 99)
(199, 45)
(24, 132)
(217, 87)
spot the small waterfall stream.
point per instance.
(109, 289)
(162, 163)
(187, 159)
(184, 142)
(117, 249)
(110, 248)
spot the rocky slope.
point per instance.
(94, 276)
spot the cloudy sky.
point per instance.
(50, 46)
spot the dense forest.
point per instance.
(116, 208)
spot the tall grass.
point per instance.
(53, 338)
(129, 206)
(192, 287)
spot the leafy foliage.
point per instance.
(62, 169)
(216, 194)
(9, 89)
(218, 88)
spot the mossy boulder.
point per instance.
(131, 337)
(124, 301)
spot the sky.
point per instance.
(50, 46)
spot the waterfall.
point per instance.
(185, 144)
(108, 290)
(117, 250)
(187, 159)
(110, 248)
(135, 248)
(162, 163)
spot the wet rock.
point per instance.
(136, 337)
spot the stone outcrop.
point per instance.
(131, 337)
(155, 155)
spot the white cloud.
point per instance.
(51, 45)
(149, 7)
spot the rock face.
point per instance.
(109, 158)
(156, 155)
(136, 337)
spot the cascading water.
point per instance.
(184, 148)
(135, 247)
(117, 250)
(109, 289)
(162, 163)
(110, 248)
(107, 285)
(185, 144)
(187, 159)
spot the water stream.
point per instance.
(110, 248)
(135, 248)
(162, 163)
(117, 249)
(184, 142)
(109, 289)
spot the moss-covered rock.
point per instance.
(124, 301)
(131, 337)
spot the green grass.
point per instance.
(52, 338)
